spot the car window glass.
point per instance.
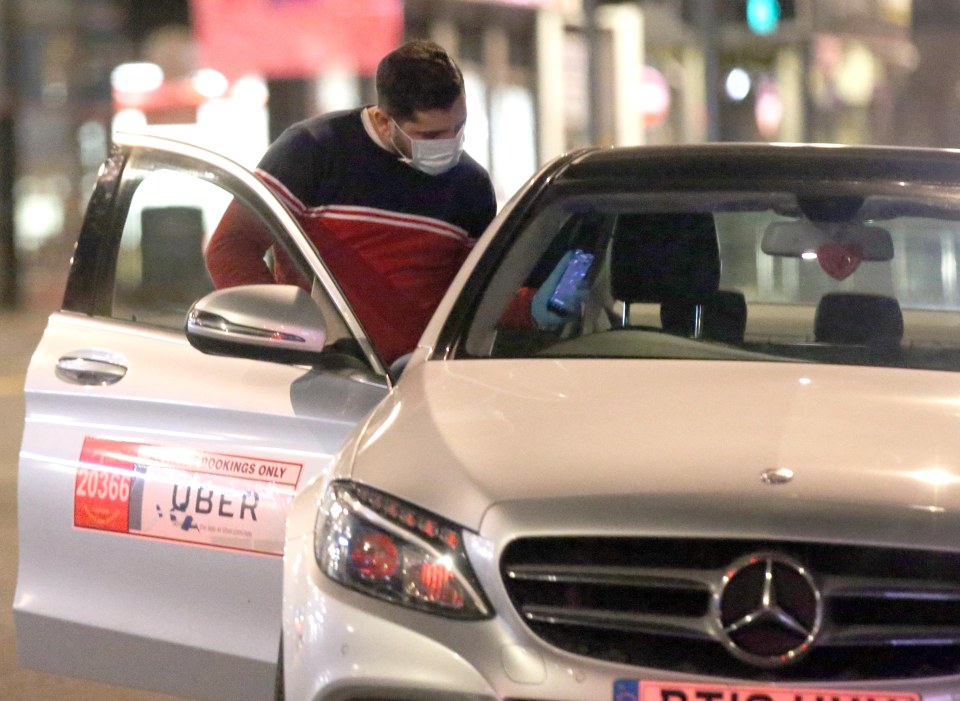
(160, 268)
(852, 278)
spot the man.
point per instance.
(386, 194)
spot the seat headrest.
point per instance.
(723, 315)
(856, 318)
(660, 256)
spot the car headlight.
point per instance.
(389, 549)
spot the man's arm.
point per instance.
(236, 250)
(235, 253)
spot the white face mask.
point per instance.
(433, 156)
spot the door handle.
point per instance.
(91, 368)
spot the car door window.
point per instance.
(160, 270)
(170, 216)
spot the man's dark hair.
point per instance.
(417, 76)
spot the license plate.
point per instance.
(635, 690)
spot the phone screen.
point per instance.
(564, 298)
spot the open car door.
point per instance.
(154, 478)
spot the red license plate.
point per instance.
(635, 690)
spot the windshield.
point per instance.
(847, 277)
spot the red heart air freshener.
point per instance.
(839, 260)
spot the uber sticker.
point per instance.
(185, 495)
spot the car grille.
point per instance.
(887, 613)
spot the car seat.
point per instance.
(858, 319)
(673, 259)
(718, 316)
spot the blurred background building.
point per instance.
(543, 77)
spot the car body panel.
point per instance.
(153, 489)
(514, 663)
(487, 433)
(477, 441)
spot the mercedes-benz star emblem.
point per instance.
(768, 610)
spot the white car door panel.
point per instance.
(153, 489)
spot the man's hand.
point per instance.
(545, 316)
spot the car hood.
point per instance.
(672, 444)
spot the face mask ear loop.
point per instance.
(410, 140)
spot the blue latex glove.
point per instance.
(545, 317)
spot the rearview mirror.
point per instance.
(264, 322)
(796, 238)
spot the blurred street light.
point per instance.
(737, 84)
(763, 16)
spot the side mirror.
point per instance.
(264, 322)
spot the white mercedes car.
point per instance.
(686, 427)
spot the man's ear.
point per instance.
(380, 119)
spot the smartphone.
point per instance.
(564, 299)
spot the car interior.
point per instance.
(775, 278)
